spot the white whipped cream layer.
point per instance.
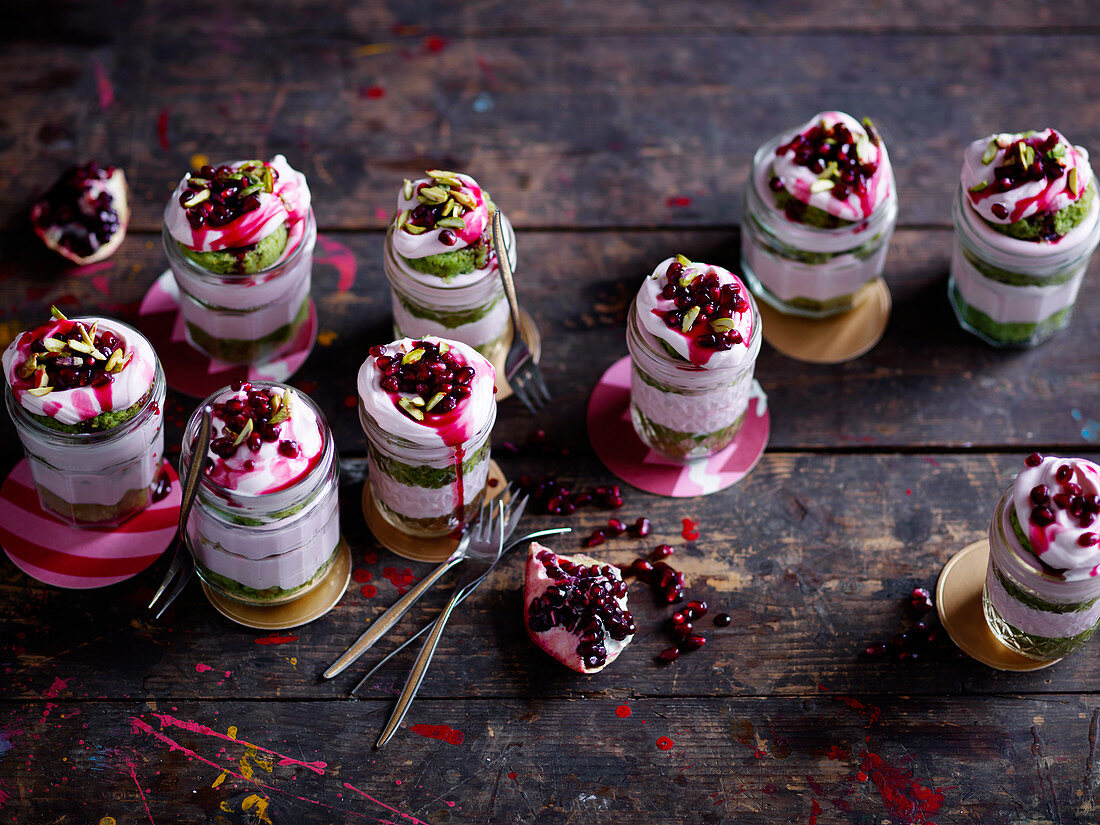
(797, 179)
(288, 204)
(1057, 543)
(451, 429)
(650, 303)
(1030, 198)
(428, 243)
(79, 404)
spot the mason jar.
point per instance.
(1014, 293)
(807, 270)
(1031, 608)
(246, 318)
(271, 547)
(682, 410)
(470, 308)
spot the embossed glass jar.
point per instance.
(1031, 608)
(682, 410)
(272, 547)
(807, 270)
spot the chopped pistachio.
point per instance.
(269, 179)
(80, 346)
(53, 344)
(449, 207)
(444, 347)
(689, 318)
(276, 402)
(432, 195)
(1058, 151)
(417, 401)
(112, 362)
(56, 313)
(197, 198)
(465, 198)
(683, 261)
(251, 190)
(979, 186)
(245, 432)
(198, 181)
(40, 391)
(97, 355)
(403, 218)
(85, 335)
(410, 409)
(413, 356)
(1072, 179)
(722, 324)
(1003, 141)
(448, 178)
(439, 396)
(990, 152)
(821, 186)
(27, 368)
(413, 229)
(408, 190)
(119, 367)
(1027, 154)
(451, 223)
(831, 170)
(872, 132)
(688, 276)
(40, 377)
(865, 150)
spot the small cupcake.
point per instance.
(693, 335)
(86, 397)
(1026, 222)
(240, 239)
(442, 265)
(427, 407)
(820, 208)
(266, 526)
(1042, 589)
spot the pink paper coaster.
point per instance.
(188, 370)
(47, 549)
(623, 453)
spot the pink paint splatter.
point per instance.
(903, 796)
(372, 92)
(511, 775)
(162, 128)
(690, 531)
(908, 492)
(334, 253)
(836, 753)
(144, 801)
(664, 743)
(622, 711)
(441, 732)
(931, 461)
(409, 817)
(362, 576)
(369, 591)
(56, 688)
(201, 668)
(380, 214)
(370, 557)
(435, 43)
(104, 90)
(678, 201)
(275, 640)
(401, 579)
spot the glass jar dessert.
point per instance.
(266, 522)
(427, 407)
(239, 240)
(820, 207)
(87, 396)
(1042, 586)
(1026, 220)
(441, 264)
(693, 333)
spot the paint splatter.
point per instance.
(362, 576)
(664, 743)
(56, 688)
(372, 92)
(370, 557)
(512, 775)
(351, 401)
(162, 129)
(690, 530)
(144, 801)
(369, 591)
(1090, 431)
(678, 201)
(275, 639)
(931, 461)
(904, 797)
(483, 103)
(815, 810)
(334, 253)
(326, 337)
(622, 711)
(198, 160)
(409, 817)
(104, 90)
(257, 805)
(441, 732)
(908, 492)
(401, 579)
(435, 43)
(201, 668)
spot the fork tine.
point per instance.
(540, 384)
(520, 392)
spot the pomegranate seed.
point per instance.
(669, 654)
(693, 642)
(723, 620)
(597, 537)
(876, 649)
(1033, 460)
(239, 385)
(289, 449)
(662, 551)
(679, 617)
(641, 528)
(615, 526)
(697, 609)
(683, 629)
(674, 594)
(642, 569)
(1087, 539)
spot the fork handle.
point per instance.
(416, 675)
(387, 620)
(505, 264)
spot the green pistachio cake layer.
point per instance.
(244, 260)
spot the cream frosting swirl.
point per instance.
(451, 429)
(428, 243)
(288, 203)
(799, 180)
(653, 306)
(78, 404)
(1052, 193)
(259, 466)
(1056, 501)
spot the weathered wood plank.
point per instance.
(814, 557)
(615, 130)
(927, 384)
(825, 757)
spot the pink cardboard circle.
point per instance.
(188, 370)
(623, 453)
(47, 549)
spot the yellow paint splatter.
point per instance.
(148, 244)
(225, 806)
(293, 661)
(199, 160)
(246, 769)
(267, 763)
(219, 780)
(374, 48)
(232, 732)
(258, 806)
(108, 820)
(325, 337)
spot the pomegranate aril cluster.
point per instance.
(252, 421)
(616, 527)
(440, 204)
(704, 307)
(833, 154)
(86, 223)
(920, 637)
(583, 600)
(217, 197)
(1067, 496)
(73, 356)
(432, 377)
(551, 497)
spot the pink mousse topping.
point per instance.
(263, 439)
(1057, 502)
(238, 204)
(74, 370)
(441, 213)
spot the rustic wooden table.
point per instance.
(613, 134)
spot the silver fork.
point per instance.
(486, 545)
(520, 369)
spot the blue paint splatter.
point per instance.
(5, 745)
(1090, 431)
(483, 103)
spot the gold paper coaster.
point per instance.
(959, 603)
(836, 338)
(417, 548)
(313, 605)
(531, 336)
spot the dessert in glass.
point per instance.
(693, 333)
(266, 522)
(820, 207)
(1042, 585)
(427, 407)
(441, 264)
(86, 396)
(1026, 220)
(239, 239)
